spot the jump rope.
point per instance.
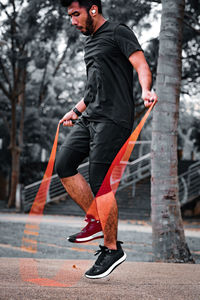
(112, 179)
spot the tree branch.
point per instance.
(60, 62)
(23, 105)
(156, 1)
(3, 7)
(190, 26)
(5, 120)
(190, 17)
(43, 84)
(5, 74)
(6, 93)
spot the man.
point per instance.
(111, 53)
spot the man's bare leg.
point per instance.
(106, 210)
(108, 214)
(110, 230)
(79, 190)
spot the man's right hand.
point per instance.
(67, 119)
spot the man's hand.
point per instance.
(149, 97)
(68, 117)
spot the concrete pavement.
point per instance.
(52, 268)
(50, 238)
(63, 279)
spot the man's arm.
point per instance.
(71, 115)
(137, 59)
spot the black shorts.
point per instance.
(99, 141)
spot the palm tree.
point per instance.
(169, 243)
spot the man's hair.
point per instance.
(83, 3)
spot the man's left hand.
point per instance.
(149, 97)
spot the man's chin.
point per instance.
(86, 33)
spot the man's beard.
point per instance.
(89, 26)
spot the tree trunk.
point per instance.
(14, 154)
(169, 243)
(14, 176)
(16, 150)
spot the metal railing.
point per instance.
(136, 170)
(189, 184)
(56, 189)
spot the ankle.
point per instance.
(111, 246)
(92, 217)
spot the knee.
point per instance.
(100, 188)
(64, 166)
(94, 187)
(99, 185)
(59, 167)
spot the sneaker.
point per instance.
(90, 232)
(107, 261)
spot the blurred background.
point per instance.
(42, 76)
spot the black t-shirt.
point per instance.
(109, 88)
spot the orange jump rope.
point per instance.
(112, 178)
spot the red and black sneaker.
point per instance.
(91, 231)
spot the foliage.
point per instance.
(191, 48)
(42, 40)
(190, 74)
(189, 132)
(32, 56)
(130, 12)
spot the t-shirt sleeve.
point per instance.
(88, 95)
(91, 85)
(126, 40)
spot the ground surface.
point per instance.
(37, 262)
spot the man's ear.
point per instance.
(93, 11)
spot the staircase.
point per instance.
(56, 190)
(134, 186)
(189, 184)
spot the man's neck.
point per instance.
(100, 21)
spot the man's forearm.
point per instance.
(145, 77)
(81, 106)
(141, 66)
(137, 59)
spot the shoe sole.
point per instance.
(106, 273)
(97, 235)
